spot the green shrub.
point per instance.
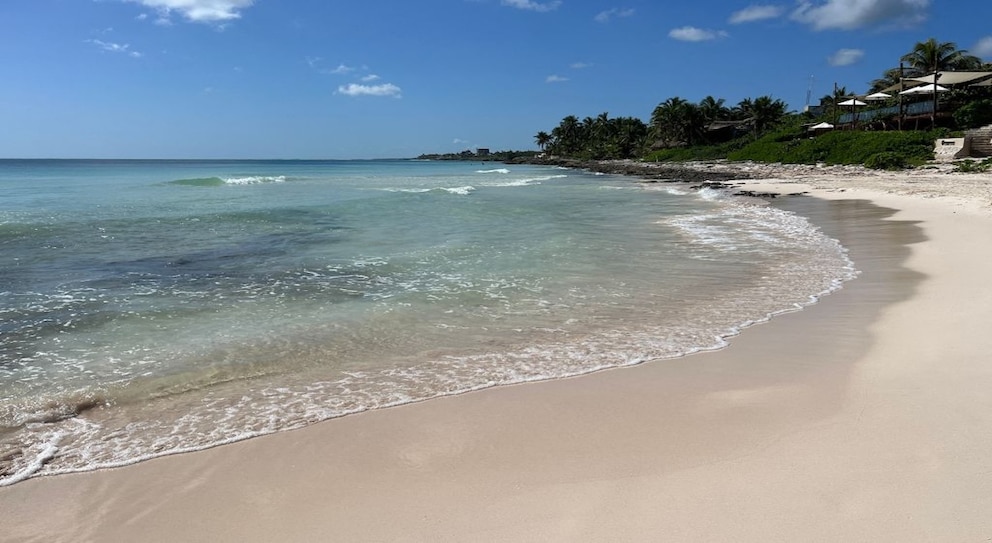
(840, 147)
(886, 161)
(698, 152)
(974, 114)
(971, 166)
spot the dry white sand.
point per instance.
(866, 417)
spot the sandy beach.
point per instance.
(865, 417)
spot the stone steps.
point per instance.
(981, 141)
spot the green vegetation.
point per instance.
(875, 149)
(760, 129)
(495, 156)
(974, 114)
(971, 166)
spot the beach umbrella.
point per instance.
(925, 89)
(878, 96)
(854, 103)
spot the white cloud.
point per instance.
(458, 141)
(983, 49)
(691, 33)
(116, 48)
(342, 70)
(555, 78)
(615, 13)
(198, 11)
(531, 5)
(851, 14)
(845, 57)
(756, 12)
(370, 78)
(579, 65)
(386, 89)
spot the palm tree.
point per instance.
(767, 113)
(932, 56)
(677, 121)
(566, 137)
(543, 139)
(713, 109)
(742, 111)
(890, 78)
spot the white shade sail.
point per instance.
(878, 96)
(925, 89)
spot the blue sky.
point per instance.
(375, 79)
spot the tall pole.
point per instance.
(933, 114)
(901, 88)
(836, 112)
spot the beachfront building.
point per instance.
(914, 102)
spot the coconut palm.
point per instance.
(677, 121)
(890, 78)
(932, 56)
(713, 109)
(767, 113)
(543, 139)
(566, 137)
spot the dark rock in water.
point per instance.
(755, 194)
(715, 185)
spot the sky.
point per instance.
(339, 79)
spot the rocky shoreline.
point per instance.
(934, 180)
(649, 171)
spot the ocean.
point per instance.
(156, 307)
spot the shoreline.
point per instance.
(862, 417)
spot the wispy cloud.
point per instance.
(111, 47)
(615, 13)
(530, 5)
(369, 78)
(555, 78)
(851, 14)
(983, 48)
(198, 11)
(691, 33)
(845, 57)
(756, 12)
(579, 65)
(341, 70)
(355, 89)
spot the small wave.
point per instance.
(497, 170)
(221, 181)
(199, 182)
(255, 179)
(461, 191)
(524, 182)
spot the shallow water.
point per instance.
(155, 307)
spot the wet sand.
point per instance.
(865, 417)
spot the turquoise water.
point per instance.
(156, 307)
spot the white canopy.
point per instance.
(951, 78)
(925, 89)
(878, 96)
(852, 102)
(821, 126)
